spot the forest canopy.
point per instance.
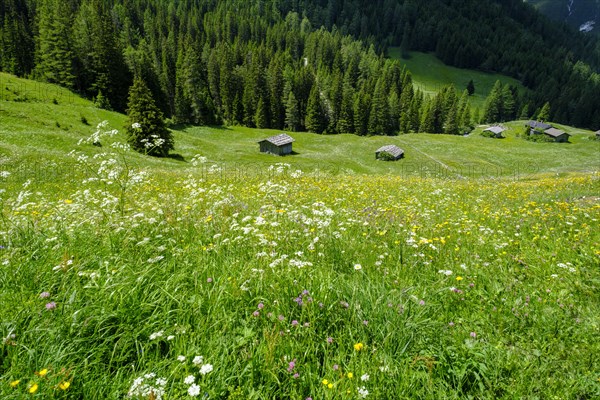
(315, 65)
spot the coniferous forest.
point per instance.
(304, 65)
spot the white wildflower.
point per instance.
(136, 125)
(198, 360)
(363, 392)
(446, 272)
(194, 390)
(357, 267)
(189, 379)
(205, 369)
(365, 377)
(156, 335)
(181, 358)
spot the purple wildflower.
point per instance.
(294, 323)
(473, 335)
(330, 340)
(256, 313)
(44, 295)
(51, 306)
(261, 306)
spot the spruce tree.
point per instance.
(544, 114)
(471, 87)
(292, 113)
(316, 120)
(146, 129)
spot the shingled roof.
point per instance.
(279, 140)
(391, 149)
(539, 125)
(495, 129)
(555, 132)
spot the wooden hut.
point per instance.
(495, 131)
(557, 135)
(279, 145)
(389, 153)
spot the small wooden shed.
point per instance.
(538, 125)
(279, 145)
(557, 135)
(496, 131)
(389, 153)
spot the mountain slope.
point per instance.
(583, 15)
(210, 61)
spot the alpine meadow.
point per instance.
(290, 199)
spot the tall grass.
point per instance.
(294, 285)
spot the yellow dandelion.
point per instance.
(33, 388)
(43, 372)
(459, 278)
(64, 385)
(15, 383)
(350, 375)
(358, 346)
(325, 381)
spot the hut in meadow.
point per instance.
(557, 135)
(495, 131)
(279, 145)
(389, 153)
(538, 125)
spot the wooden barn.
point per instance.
(496, 131)
(538, 125)
(389, 153)
(279, 145)
(557, 135)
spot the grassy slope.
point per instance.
(182, 258)
(29, 131)
(430, 75)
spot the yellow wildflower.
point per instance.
(350, 375)
(64, 385)
(330, 386)
(15, 383)
(459, 278)
(358, 346)
(43, 372)
(33, 388)
(325, 381)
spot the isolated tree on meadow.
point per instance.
(146, 130)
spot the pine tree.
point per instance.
(362, 105)
(146, 129)
(493, 109)
(292, 113)
(346, 120)
(544, 114)
(316, 120)
(261, 117)
(54, 53)
(471, 87)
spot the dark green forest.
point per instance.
(304, 65)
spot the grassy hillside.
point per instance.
(235, 277)
(40, 130)
(430, 75)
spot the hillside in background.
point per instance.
(302, 65)
(583, 15)
(41, 123)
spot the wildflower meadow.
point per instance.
(141, 282)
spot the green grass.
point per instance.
(267, 272)
(430, 75)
